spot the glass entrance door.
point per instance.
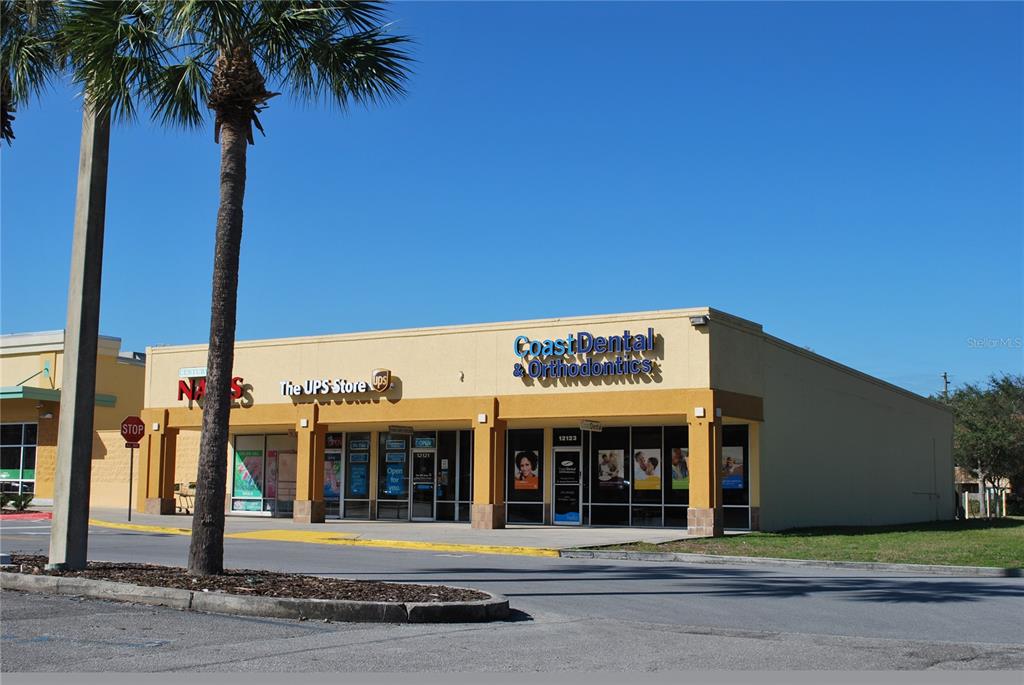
(423, 468)
(568, 487)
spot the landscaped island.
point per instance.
(982, 542)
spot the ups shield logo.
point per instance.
(380, 379)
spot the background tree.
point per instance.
(29, 56)
(184, 58)
(988, 434)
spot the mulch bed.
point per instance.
(252, 583)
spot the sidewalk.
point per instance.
(515, 539)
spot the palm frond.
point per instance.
(117, 52)
(369, 66)
(166, 55)
(29, 54)
(178, 94)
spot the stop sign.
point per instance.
(132, 430)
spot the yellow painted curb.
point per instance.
(140, 527)
(314, 536)
(334, 538)
(352, 540)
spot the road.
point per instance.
(571, 614)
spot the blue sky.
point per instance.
(848, 175)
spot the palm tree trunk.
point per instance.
(206, 552)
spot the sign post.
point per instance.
(132, 430)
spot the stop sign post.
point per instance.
(132, 430)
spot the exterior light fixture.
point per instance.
(699, 320)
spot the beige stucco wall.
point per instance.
(22, 356)
(837, 447)
(450, 362)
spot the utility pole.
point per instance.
(70, 527)
(945, 385)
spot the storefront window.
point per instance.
(18, 457)
(609, 478)
(282, 457)
(446, 475)
(647, 466)
(610, 473)
(525, 476)
(393, 483)
(465, 468)
(334, 449)
(247, 474)
(735, 476)
(677, 476)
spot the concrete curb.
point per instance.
(495, 608)
(716, 559)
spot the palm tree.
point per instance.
(182, 58)
(29, 56)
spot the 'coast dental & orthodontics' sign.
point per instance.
(380, 381)
(545, 358)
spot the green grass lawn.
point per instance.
(996, 542)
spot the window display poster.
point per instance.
(358, 481)
(647, 469)
(732, 468)
(680, 462)
(610, 468)
(248, 479)
(394, 479)
(332, 475)
(525, 471)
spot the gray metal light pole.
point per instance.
(69, 532)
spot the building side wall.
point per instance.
(122, 379)
(17, 368)
(840, 449)
(110, 467)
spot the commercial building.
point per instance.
(685, 418)
(31, 368)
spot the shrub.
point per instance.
(1014, 504)
(21, 502)
(5, 499)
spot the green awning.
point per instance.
(30, 392)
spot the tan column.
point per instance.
(309, 468)
(161, 445)
(704, 516)
(142, 474)
(168, 462)
(488, 508)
